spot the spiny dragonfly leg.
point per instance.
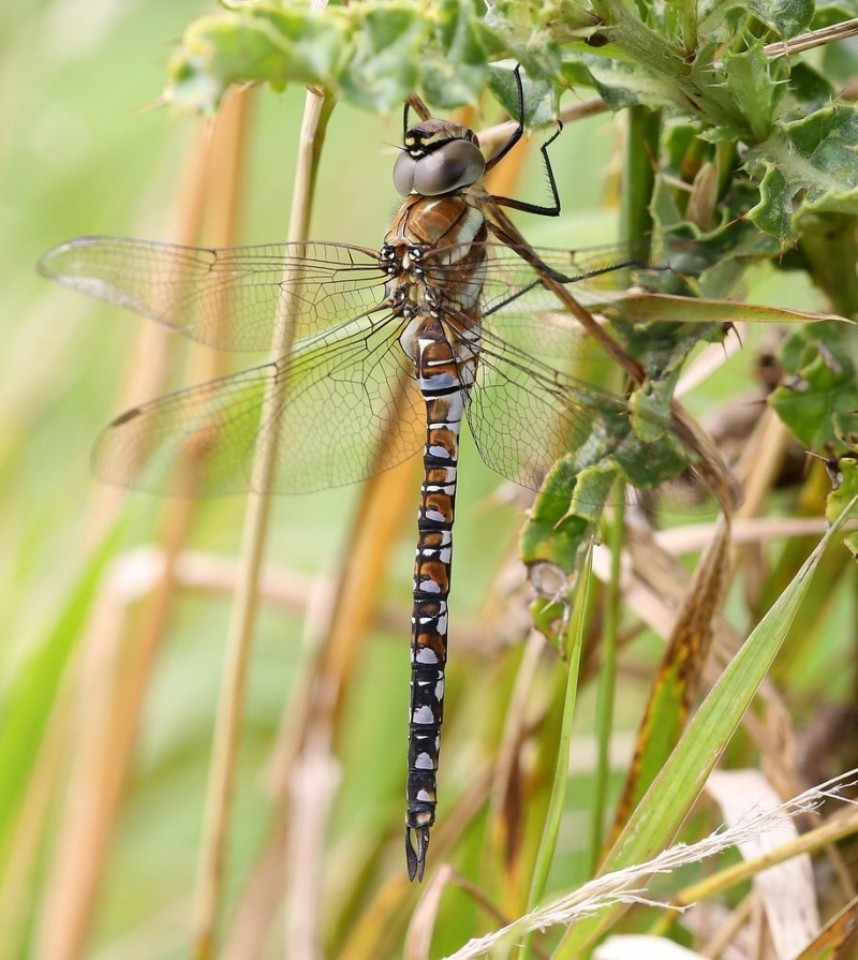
(415, 854)
(543, 211)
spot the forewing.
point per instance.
(346, 408)
(591, 273)
(231, 299)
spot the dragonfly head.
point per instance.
(439, 156)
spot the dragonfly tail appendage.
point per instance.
(416, 845)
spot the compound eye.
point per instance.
(451, 166)
(403, 174)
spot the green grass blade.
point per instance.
(574, 642)
(27, 703)
(654, 823)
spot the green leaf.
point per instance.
(26, 706)
(829, 249)
(819, 402)
(720, 22)
(459, 76)
(640, 450)
(382, 64)
(663, 308)
(259, 44)
(375, 54)
(535, 35)
(808, 165)
(845, 488)
(785, 17)
(540, 97)
(565, 513)
(623, 84)
(839, 498)
(774, 213)
(755, 82)
(810, 91)
(654, 822)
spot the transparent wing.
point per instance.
(348, 376)
(233, 298)
(527, 409)
(517, 306)
(525, 414)
(230, 299)
(349, 407)
(512, 272)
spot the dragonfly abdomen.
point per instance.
(440, 382)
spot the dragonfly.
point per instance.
(391, 350)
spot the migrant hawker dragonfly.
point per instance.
(392, 350)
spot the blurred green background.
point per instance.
(87, 149)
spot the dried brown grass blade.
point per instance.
(313, 719)
(422, 924)
(787, 890)
(677, 681)
(210, 877)
(838, 939)
(118, 665)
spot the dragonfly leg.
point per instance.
(517, 134)
(503, 150)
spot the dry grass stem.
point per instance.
(813, 38)
(692, 538)
(629, 885)
(117, 664)
(492, 137)
(787, 890)
(242, 622)
(419, 939)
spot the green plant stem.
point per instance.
(639, 161)
(641, 151)
(606, 684)
(654, 822)
(830, 243)
(239, 641)
(574, 640)
(689, 82)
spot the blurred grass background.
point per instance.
(87, 150)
